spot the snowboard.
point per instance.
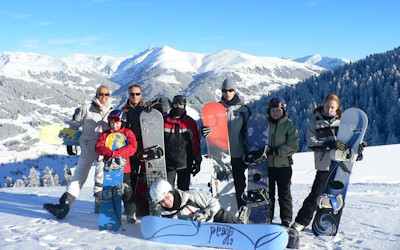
(220, 235)
(256, 196)
(152, 128)
(111, 196)
(222, 186)
(353, 125)
(52, 134)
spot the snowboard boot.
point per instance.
(244, 214)
(131, 218)
(294, 238)
(97, 202)
(60, 210)
(298, 227)
(285, 223)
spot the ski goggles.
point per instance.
(114, 118)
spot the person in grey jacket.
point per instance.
(238, 114)
(321, 138)
(92, 118)
(192, 205)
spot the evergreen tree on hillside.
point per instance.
(370, 84)
(34, 178)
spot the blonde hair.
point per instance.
(335, 98)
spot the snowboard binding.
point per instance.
(255, 195)
(331, 202)
(151, 153)
(115, 164)
(256, 156)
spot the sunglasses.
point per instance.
(104, 94)
(227, 90)
(133, 94)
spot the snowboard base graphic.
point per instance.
(352, 128)
(222, 186)
(257, 188)
(57, 135)
(221, 235)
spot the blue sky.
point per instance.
(279, 28)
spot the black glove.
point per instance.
(360, 151)
(342, 146)
(70, 151)
(205, 131)
(196, 165)
(273, 152)
(148, 109)
(200, 216)
(328, 145)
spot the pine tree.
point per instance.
(9, 181)
(34, 178)
(48, 178)
(67, 176)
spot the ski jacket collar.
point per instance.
(98, 104)
(235, 101)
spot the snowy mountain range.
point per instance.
(39, 90)
(166, 71)
(323, 61)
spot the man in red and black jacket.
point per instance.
(182, 144)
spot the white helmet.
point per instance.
(159, 190)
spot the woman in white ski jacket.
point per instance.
(92, 118)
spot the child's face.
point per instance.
(115, 125)
(168, 200)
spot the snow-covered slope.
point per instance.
(323, 61)
(369, 219)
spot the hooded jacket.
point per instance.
(93, 120)
(237, 114)
(283, 136)
(190, 202)
(322, 129)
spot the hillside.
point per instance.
(371, 84)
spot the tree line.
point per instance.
(371, 84)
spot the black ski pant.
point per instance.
(128, 197)
(239, 179)
(183, 180)
(224, 216)
(306, 212)
(281, 177)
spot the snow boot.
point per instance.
(60, 210)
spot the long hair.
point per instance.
(335, 98)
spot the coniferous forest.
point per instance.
(371, 84)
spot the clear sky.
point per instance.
(280, 28)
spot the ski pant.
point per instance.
(139, 187)
(129, 197)
(306, 212)
(281, 177)
(183, 180)
(81, 173)
(239, 179)
(224, 216)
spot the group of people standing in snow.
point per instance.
(183, 154)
